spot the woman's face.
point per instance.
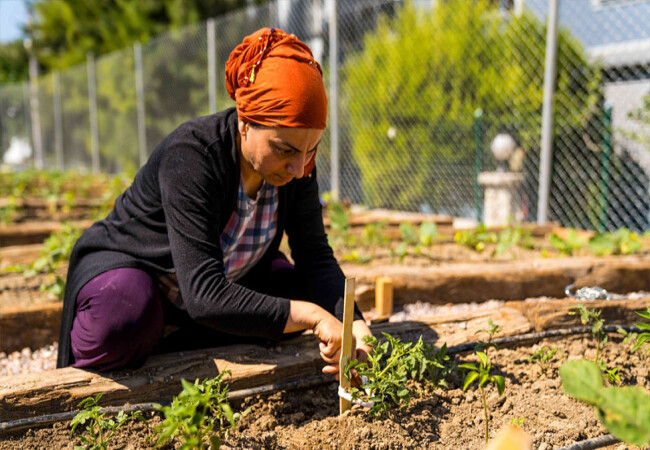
(278, 155)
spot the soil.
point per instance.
(435, 419)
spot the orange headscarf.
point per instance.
(276, 82)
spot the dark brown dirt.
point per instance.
(437, 419)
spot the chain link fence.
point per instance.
(422, 88)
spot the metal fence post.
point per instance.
(478, 162)
(139, 90)
(58, 123)
(92, 103)
(212, 65)
(605, 165)
(334, 119)
(546, 155)
(34, 110)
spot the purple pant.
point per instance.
(121, 318)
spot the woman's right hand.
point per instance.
(327, 329)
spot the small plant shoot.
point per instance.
(97, 428)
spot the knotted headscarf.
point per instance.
(276, 82)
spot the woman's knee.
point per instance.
(119, 319)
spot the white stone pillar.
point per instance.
(501, 205)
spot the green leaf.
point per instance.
(582, 379)
(625, 412)
(483, 357)
(501, 383)
(469, 379)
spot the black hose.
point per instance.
(599, 442)
(13, 426)
(534, 337)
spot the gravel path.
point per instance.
(28, 361)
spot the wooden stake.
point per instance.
(346, 344)
(384, 296)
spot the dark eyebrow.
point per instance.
(296, 149)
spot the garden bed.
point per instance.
(435, 418)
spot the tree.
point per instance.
(65, 31)
(14, 65)
(411, 93)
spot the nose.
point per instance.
(296, 165)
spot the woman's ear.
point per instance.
(243, 128)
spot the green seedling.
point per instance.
(198, 414)
(543, 357)
(643, 337)
(56, 251)
(624, 411)
(591, 317)
(513, 237)
(356, 257)
(570, 245)
(389, 366)
(611, 375)
(517, 421)
(482, 373)
(428, 233)
(630, 341)
(620, 242)
(374, 234)
(434, 366)
(475, 238)
(98, 429)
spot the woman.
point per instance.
(193, 242)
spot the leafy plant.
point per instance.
(56, 251)
(197, 415)
(428, 233)
(611, 375)
(373, 234)
(591, 316)
(569, 245)
(630, 340)
(389, 366)
(644, 336)
(475, 238)
(620, 242)
(98, 429)
(482, 373)
(543, 357)
(513, 237)
(624, 411)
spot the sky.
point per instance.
(13, 15)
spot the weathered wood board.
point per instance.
(517, 280)
(554, 313)
(159, 379)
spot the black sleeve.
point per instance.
(312, 254)
(193, 200)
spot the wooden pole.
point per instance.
(384, 296)
(346, 344)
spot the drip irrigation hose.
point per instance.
(589, 444)
(13, 426)
(534, 337)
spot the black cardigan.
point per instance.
(170, 220)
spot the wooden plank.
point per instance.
(32, 326)
(159, 379)
(346, 342)
(33, 232)
(554, 313)
(476, 282)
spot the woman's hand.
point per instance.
(327, 329)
